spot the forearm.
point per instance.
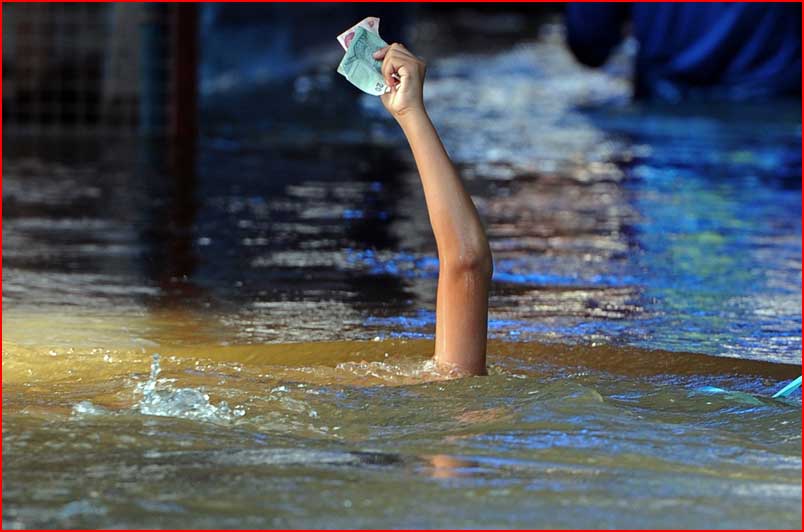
(459, 234)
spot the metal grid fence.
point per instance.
(88, 67)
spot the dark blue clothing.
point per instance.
(688, 50)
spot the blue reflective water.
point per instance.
(720, 201)
(713, 243)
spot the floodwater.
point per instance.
(286, 282)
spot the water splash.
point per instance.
(187, 403)
(159, 399)
(86, 408)
(401, 370)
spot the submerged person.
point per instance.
(465, 263)
(689, 50)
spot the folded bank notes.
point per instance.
(358, 66)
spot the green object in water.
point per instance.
(740, 397)
(790, 388)
(359, 66)
(748, 398)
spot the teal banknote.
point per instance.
(358, 65)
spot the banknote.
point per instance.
(369, 23)
(359, 66)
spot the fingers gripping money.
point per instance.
(358, 65)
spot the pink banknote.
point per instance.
(370, 23)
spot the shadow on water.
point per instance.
(170, 173)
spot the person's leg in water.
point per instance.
(465, 262)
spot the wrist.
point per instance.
(411, 116)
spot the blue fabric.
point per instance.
(688, 50)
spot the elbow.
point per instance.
(474, 260)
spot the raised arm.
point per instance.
(465, 264)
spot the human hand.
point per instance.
(404, 74)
